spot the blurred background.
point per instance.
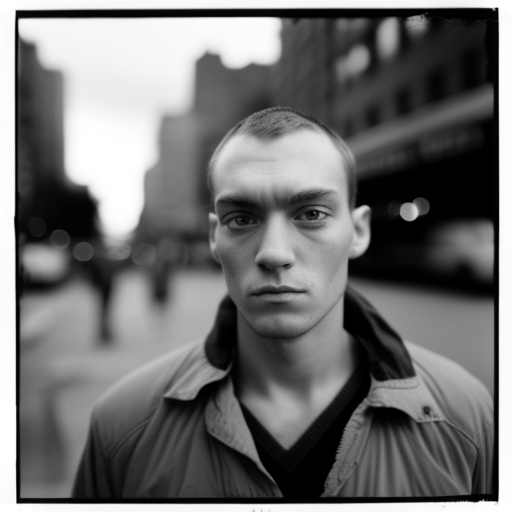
(116, 120)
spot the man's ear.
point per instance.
(213, 222)
(361, 218)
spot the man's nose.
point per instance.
(275, 248)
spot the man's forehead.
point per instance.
(303, 155)
(299, 146)
(283, 141)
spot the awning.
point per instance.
(452, 124)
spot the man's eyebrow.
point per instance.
(307, 195)
(239, 201)
(244, 201)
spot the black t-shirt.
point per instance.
(301, 471)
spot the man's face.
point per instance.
(283, 230)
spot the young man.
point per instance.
(301, 389)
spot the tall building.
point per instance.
(303, 77)
(40, 136)
(171, 189)
(224, 96)
(40, 115)
(47, 199)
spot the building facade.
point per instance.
(355, 73)
(171, 205)
(224, 96)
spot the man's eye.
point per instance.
(312, 215)
(239, 221)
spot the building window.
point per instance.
(343, 24)
(355, 62)
(416, 26)
(387, 38)
(352, 25)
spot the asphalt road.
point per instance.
(64, 367)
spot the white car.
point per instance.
(462, 248)
(44, 264)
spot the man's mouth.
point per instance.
(277, 294)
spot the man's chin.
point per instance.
(279, 329)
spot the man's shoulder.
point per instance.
(132, 400)
(463, 399)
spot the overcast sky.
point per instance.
(120, 76)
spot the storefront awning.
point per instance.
(443, 128)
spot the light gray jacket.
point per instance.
(174, 429)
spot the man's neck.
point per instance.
(293, 379)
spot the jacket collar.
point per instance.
(390, 365)
(387, 355)
(394, 382)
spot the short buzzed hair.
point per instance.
(275, 122)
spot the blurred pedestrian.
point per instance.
(301, 389)
(100, 270)
(167, 255)
(160, 275)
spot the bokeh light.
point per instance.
(144, 254)
(120, 252)
(83, 251)
(37, 226)
(422, 204)
(409, 212)
(59, 239)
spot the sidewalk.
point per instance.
(64, 367)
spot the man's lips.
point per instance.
(277, 294)
(277, 290)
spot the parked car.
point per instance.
(463, 249)
(42, 264)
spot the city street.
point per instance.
(64, 366)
